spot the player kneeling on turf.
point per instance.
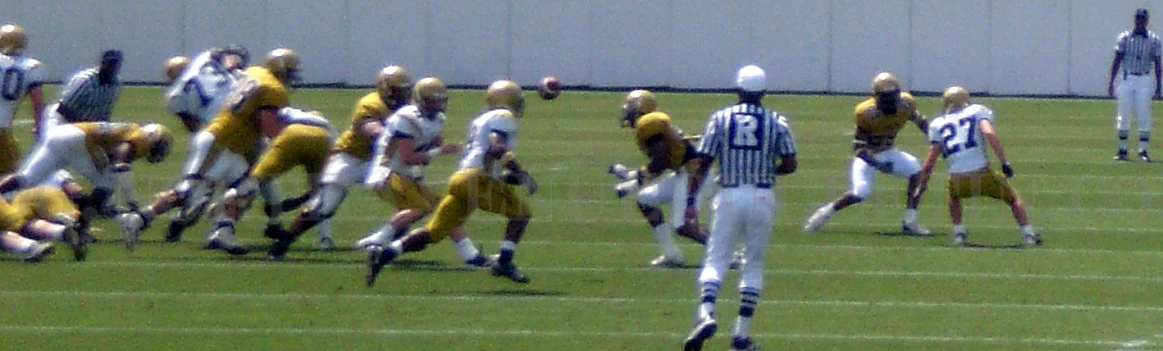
(960, 136)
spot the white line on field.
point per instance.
(540, 334)
(564, 299)
(770, 248)
(568, 269)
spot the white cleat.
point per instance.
(326, 244)
(665, 261)
(131, 225)
(1032, 240)
(38, 252)
(959, 240)
(817, 220)
(914, 229)
(620, 171)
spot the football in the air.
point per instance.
(549, 88)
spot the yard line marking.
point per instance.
(347, 265)
(847, 247)
(541, 334)
(565, 299)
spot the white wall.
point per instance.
(997, 46)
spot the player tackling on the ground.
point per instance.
(878, 120)
(960, 135)
(753, 145)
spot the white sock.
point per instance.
(662, 233)
(958, 229)
(911, 216)
(17, 244)
(827, 210)
(396, 246)
(742, 327)
(467, 250)
(323, 230)
(706, 310)
(1027, 230)
(379, 235)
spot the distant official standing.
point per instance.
(753, 145)
(1135, 53)
(88, 96)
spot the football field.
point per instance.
(855, 285)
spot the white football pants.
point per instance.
(64, 147)
(672, 189)
(48, 121)
(902, 164)
(745, 212)
(1134, 95)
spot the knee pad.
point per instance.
(324, 203)
(861, 191)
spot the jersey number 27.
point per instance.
(955, 142)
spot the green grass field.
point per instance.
(1094, 286)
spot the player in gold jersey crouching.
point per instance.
(481, 182)
(878, 120)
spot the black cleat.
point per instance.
(174, 231)
(1032, 240)
(377, 258)
(77, 242)
(1143, 156)
(233, 249)
(743, 344)
(481, 261)
(704, 329)
(279, 249)
(509, 270)
(1121, 156)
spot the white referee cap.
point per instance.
(751, 78)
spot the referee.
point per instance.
(1135, 52)
(753, 145)
(88, 96)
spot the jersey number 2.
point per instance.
(952, 144)
(745, 132)
(12, 84)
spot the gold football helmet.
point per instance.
(638, 103)
(175, 66)
(284, 64)
(430, 95)
(394, 85)
(884, 83)
(12, 39)
(160, 140)
(505, 94)
(954, 98)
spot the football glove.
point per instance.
(521, 178)
(1007, 170)
(626, 187)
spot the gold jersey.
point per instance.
(39, 202)
(104, 138)
(877, 131)
(657, 126)
(353, 141)
(235, 127)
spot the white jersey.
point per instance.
(18, 74)
(477, 146)
(961, 142)
(409, 122)
(201, 89)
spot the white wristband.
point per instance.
(433, 153)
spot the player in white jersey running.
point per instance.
(961, 136)
(753, 145)
(21, 76)
(200, 86)
(486, 178)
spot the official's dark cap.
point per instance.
(1141, 13)
(111, 55)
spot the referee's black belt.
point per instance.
(761, 186)
(1125, 73)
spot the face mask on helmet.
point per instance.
(886, 101)
(630, 116)
(158, 151)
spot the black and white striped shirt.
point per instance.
(1138, 51)
(747, 140)
(86, 99)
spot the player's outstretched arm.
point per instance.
(921, 122)
(927, 168)
(991, 137)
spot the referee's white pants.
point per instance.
(745, 212)
(672, 189)
(1134, 96)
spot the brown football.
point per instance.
(549, 88)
